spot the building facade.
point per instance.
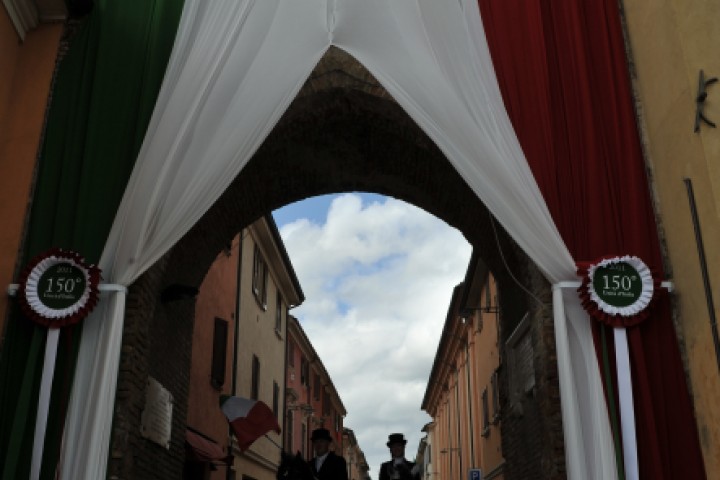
(670, 45)
(358, 468)
(27, 64)
(463, 396)
(425, 453)
(311, 398)
(239, 349)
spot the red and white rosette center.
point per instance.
(31, 290)
(618, 315)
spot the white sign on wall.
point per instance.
(156, 420)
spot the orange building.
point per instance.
(462, 395)
(241, 318)
(28, 51)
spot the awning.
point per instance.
(204, 449)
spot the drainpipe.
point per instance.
(457, 417)
(471, 431)
(450, 456)
(704, 270)
(231, 462)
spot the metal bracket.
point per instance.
(700, 101)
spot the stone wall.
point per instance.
(532, 437)
(342, 133)
(155, 344)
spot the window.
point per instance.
(488, 296)
(260, 275)
(486, 414)
(326, 404)
(278, 313)
(303, 446)
(316, 387)
(255, 388)
(289, 430)
(304, 372)
(291, 353)
(276, 399)
(219, 354)
(494, 383)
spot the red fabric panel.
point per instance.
(563, 75)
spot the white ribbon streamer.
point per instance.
(48, 373)
(624, 377)
(627, 410)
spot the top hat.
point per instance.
(396, 438)
(320, 434)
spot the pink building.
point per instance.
(311, 399)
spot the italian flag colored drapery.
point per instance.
(236, 65)
(103, 96)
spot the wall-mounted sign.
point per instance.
(156, 419)
(57, 288)
(618, 290)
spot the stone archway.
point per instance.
(343, 132)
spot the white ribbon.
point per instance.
(48, 372)
(624, 376)
(44, 401)
(627, 413)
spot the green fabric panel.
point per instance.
(104, 95)
(24, 392)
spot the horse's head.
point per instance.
(293, 467)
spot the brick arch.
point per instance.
(343, 132)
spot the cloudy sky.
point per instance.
(378, 275)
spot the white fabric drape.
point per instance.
(235, 67)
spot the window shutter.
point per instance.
(219, 354)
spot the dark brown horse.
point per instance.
(294, 467)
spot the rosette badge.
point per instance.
(618, 290)
(58, 288)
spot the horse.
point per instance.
(294, 467)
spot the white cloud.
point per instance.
(378, 280)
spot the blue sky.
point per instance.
(378, 275)
(316, 209)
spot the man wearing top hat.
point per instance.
(326, 465)
(398, 468)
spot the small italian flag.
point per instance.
(249, 419)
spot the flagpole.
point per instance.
(273, 441)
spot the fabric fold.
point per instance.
(235, 68)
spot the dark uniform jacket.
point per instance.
(333, 468)
(404, 471)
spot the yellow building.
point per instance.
(268, 288)
(462, 396)
(670, 43)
